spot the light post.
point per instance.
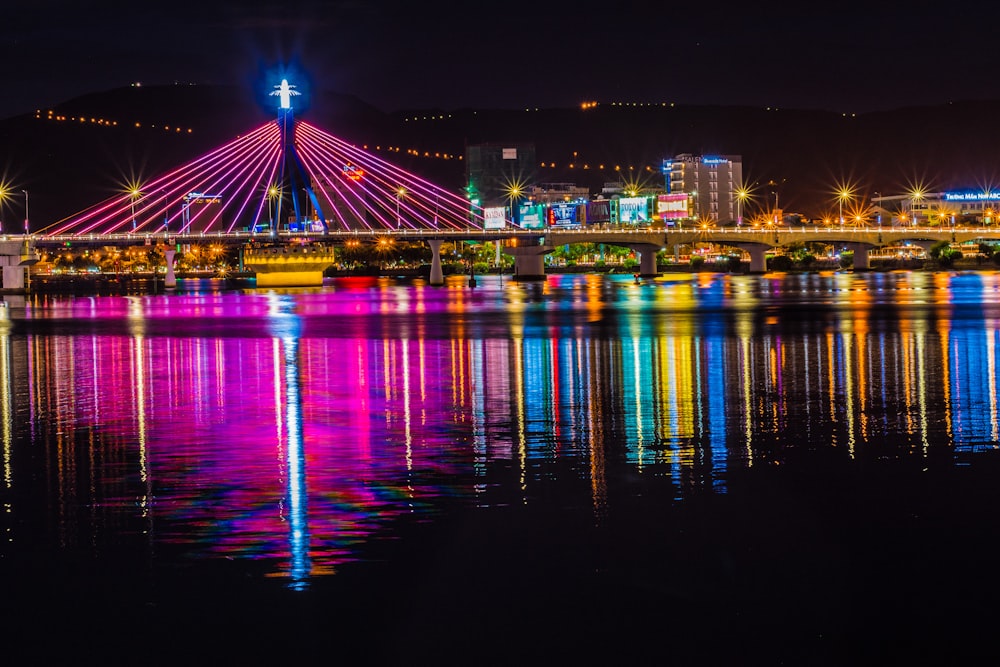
(915, 195)
(400, 191)
(166, 216)
(272, 193)
(841, 196)
(878, 209)
(26, 227)
(741, 195)
(134, 195)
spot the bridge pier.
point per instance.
(170, 281)
(16, 258)
(529, 261)
(437, 275)
(294, 266)
(862, 262)
(758, 255)
(647, 258)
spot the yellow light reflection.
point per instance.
(5, 403)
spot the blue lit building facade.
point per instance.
(711, 181)
(962, 207)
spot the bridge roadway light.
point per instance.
(134, 194)
(272, 192)
(166, 216)
(25, 211)
(741, 195)
(400, 192)
(841, 196)
(915, 195)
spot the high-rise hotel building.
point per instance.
(711, 183)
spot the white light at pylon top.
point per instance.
(284, 93)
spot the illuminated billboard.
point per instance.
(563, 215)
(672, 207)
(495, 217)
(633, 210)
(599, 212)
(531, 216)
(971, 196)
(352, 172)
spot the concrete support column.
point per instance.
(437, 275)
(529, 261)
(16, 258)
(171, 280)
(861, 259)
(647, 260)
(758, 258)
(529, 267)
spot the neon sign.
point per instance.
(353, 173)
(199, 198)
(971, 196)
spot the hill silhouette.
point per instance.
(91, 147)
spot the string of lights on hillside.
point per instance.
(252, 182)
(51, 115)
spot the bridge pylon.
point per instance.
(293, 176)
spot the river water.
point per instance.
(692, 469)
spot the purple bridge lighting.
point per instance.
(256, 183)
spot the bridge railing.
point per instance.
(534, 235)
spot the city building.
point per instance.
(963, 207)
(549, 193)
(498, 174)
(711, 183)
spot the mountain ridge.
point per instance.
(92, 146)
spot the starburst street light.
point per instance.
(742, 194)
(916, 194)
(400, 193)
(272, 194)
(844, 194)
(134, 194)
(514, 189)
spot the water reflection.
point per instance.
(290, 427)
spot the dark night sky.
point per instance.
(405, 55)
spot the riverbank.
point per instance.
(149, 283)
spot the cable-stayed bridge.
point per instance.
(284, 176)
(287, 192)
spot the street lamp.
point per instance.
(166, 216)
(399, 194)
(135, 194)
(25, 211)
(272, 192)
(741, 195)
(841, 196)
(915, 195)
